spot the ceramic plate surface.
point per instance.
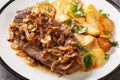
(18, 65)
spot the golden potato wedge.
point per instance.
(104, 43)
(89, 8)
(92, 16)
(84, 39)
(46, 8)
(98, 57)
(93, 30)
(93, 45)
(96, 45)
(62, 6)
(106, 25)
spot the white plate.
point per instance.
(18, 64)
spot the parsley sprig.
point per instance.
(76, 7)
(87, 59)
(79, 14)
(104, 14)
(80, 29)
(114, 43)
(47, 8)
(107, 56)
(82, 48)
(69, 21)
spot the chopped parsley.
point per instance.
(114, 43)
(79, 14)
(47, 8)
(76, 7)
(104, 14)
(73, 8)
(69, 22)
(76, 29)
(88, 61)
(80, 30)
(82, 48)
(107, 35)
(107, 56)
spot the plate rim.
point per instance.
(24, 78)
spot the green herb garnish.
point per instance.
(76, 7)
(80, 30)
(76, 29)
(83, 29)
(88, 58)
(73, 8)
(82, 48)
(107, 35)
(88, 61)
(114, 43)
(79, 14)
(104, 14)
(69, 21)
(47, 8)
(107, 56)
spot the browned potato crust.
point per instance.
(105, 24)
(104, 44)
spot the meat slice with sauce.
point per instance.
(46, 40)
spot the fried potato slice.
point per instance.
(92, 16)
(98, 57)
(105, 24)
(63, 7)
(80, 20)
(104, 44)
(93, 45)
(46, 8)
(93, 30)
(89, 8)
(84, 39)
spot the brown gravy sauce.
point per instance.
(34, 63)
(37, 64)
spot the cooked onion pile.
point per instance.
(64, 35)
